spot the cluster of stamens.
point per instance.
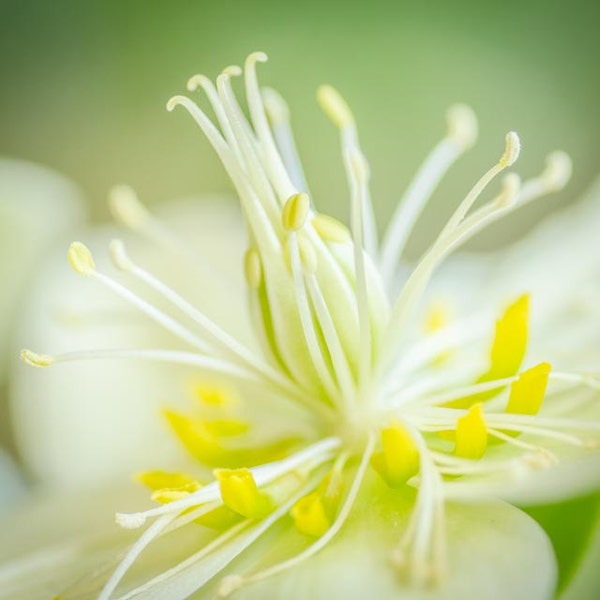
(338, 342)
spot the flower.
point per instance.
(364, 442)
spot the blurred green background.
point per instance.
(84, 86)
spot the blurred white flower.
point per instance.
(366, 437)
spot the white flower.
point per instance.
(365, 444)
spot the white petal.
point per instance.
(36, 205)
(83, 424)
(495, 551)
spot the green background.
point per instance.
(84, 86)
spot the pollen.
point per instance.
(241, 494)
(528, 391)
(471, 434)
(309, 515)
(399, 460)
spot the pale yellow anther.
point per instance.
(335, 107)
(462, 125)
(80, 259)
(252, 268)
(511, 150)
(119, 255)
(511, 185)
(399, 460)
(240, 493)
(277, 109)
(157, 480)
(126, 208)
(528, 391)
(331, 230)
(471, 434)
(37, 360)
(557, 172)
(295, 211)
(166, 495)
(308, 255)
(309, 515)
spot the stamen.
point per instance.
(273, 163)
(80, 259)
(422, 273)
(335, 107)
(37, 360)
(309, 515)
(330, 229)
(240, 493)
(222, 338)
(241, 580)
(295, 211)
(399, 460)
(462, 133)
(471, 434)
(528, 391)
(357, 168)
(279, 117)
(126, 208)
(253, 269)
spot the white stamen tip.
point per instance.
(130, 521)
(80, 259)
(511, 150)
(462, 125)
(511, 184)
(125, 206)
(335, 107)
(194, 82)
(36, 360)
(253, 269)
(176, 101)
(119, 255)
(276, 108)
(257, 57)
(558, 171)
(230, 584)
(232, 71)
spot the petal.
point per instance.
(36, 205)
(87, 423)
(494, 551)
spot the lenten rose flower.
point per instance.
(370, 436)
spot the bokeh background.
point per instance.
(84, 86)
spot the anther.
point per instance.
(126, 207)
(330, 229)
(511, 150)
(176, 101)
(119, 255)
(253, 268)
(232, 71)
(80, 259)
(295, 211)
(557, 172)
(37, 360)
(335, 107)
(462, 125)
